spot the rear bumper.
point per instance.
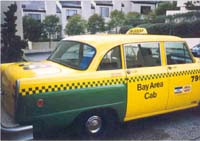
(16, 133)
(11, 130)
(15, 129)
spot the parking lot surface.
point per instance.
(181, 125)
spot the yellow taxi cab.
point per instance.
(94, 81)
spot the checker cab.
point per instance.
(93, 81)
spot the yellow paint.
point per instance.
(162, 51)
(39, 79)
(122, 57)
(136, 102)
(160, 112)
(136, 30)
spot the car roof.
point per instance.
(108, 41)
(198, 45)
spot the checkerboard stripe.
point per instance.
(72, 86)
(99, 83)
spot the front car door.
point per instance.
(183, 74)
(147, 83)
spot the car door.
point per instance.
(147, 84)
(184, 76)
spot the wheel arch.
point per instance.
(106, 110)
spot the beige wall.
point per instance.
(41, 46)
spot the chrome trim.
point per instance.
(16, 129)
(17, 86)
(94, 124)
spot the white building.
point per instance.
(86, 8)
(182, 5)
(38, 10)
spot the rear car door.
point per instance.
(147, 83)
(183, 74)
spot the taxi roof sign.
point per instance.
(136, 30)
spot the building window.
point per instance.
(145, 9)
(35, 16)
(104, 11)
(70, 12)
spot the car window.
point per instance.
(177, 53)
(197, 46)
(73, 54)
(142, 55)
(111, 60)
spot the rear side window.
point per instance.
(177, 53)
(111, 60)
(142, 55)
(73, 54)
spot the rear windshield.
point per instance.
(73, 54)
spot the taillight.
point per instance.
(40, 103)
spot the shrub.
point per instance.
(96, 24)
(75, 26)
(183, 29)
(31, 26)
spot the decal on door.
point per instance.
(195, 78)
(178, 90)
(187, 88)
(152, 85)
(149, 87)
(183, 89)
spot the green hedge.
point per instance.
(183, 29)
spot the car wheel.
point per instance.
(96, 124)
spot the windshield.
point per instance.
(73, 54)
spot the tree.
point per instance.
(117, 19)
(190, 6)
(132, 19)
(11, 45)
(96, 24)
(31, 26)
(164, 6)
(51, 27)
(75, 26)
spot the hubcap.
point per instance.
(94, 124)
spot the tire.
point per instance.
(96, 124)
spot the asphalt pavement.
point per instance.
(180, 125)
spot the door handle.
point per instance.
(128, 72)
(170, 67)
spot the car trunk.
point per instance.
(8, 87)
(15, 72)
